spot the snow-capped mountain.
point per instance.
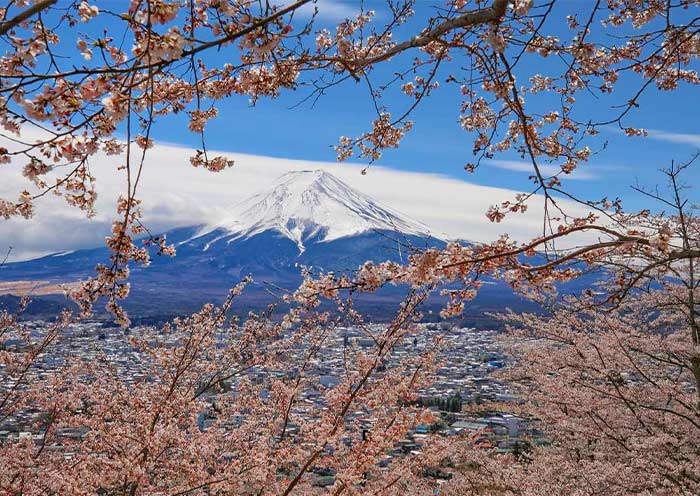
(313, 205)
(308, 218)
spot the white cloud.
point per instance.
(678, 138)
(579, 174)
(331, 10)
(665, 136)
(176, 194)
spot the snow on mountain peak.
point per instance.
(305, 204)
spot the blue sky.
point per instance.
(437, 144)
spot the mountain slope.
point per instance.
(308, 218)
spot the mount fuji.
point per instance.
(305, 218)
(309, 207)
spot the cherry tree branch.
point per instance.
(23, 16)
(471, 18)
